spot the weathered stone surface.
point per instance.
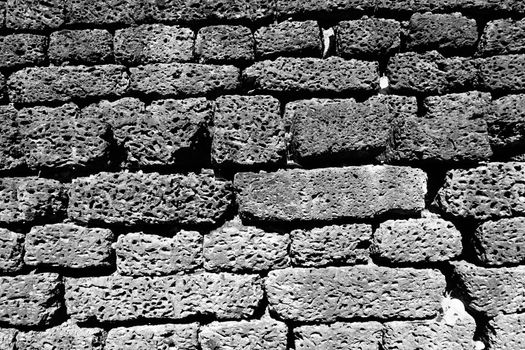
(334, 244)
(335, 293)
(417, 240)
(187, 79)
(46, 84)
(491, 291)
(55, 137)
(140, 254)
(502, 36)
(8, 335)
(153, 43)
(453, 129)
(2, 87)
(339, 336)
(30, 199)
(104, 12)
(248, 130)
(507, 332)
(117, 298)
(368, 37)
(22, 49)
(161, 337)
(224, 44)
(444, 32)
(345, 130)
(35, 14)
(264, 334)
(66, 336)
(503, 73)
(3, 5)
(486, 192)
(330, 193)
(30, 300)
(68, 246)
(137, 198)
(288, 38)
(11, 251)
(500, 242)
(236, 248)
(11, 150)
(90, 46)
(506, 124)
(431, 73)
(312, 75)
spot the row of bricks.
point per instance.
(51, 14)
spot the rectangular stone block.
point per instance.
(48, 84)
(339, 336)
(225, 44)
(18, 50)
(502, 74)
(330, 193)
(88, 46)
(507, 332)
(66, 336)
(35, 14)
(165, 336)
(11, 150)
(502, 36)
(11, 251)
(8, 335)
(117, 298)
(140, 254)
(149, 198)
(506, 124)
(336, 293)
(368, 37)
(30, 300)
(104, 12)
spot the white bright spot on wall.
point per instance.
(383, 82)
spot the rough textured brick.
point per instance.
(103, 12)
(248, 130)
(153, 43)
(22, 49)
(187, 79)
(66, 336)
(90, 46)
(68, 246)
(11, 150)
(165, 336)
(30, 199)
(506, 124)
(431, 73)
(502, 36)
(503, 73)
(8, 335)
(288, 38)
(46, 84)
(35, 14)
(330, 193)
(11, 251)
(417, 240)
(137, 198)
(500, 242)
(452, 129)
(334, 244)
(117, 298)
(140, 254)
(345, 130)
(507, 332)
(491, 291)
(2, 87)
(236, 248)
(339, 336)
(30, 300)
(334, 293)
(312, 75)
(264, 334)
(224, 44)
(488, 191)
(308, 8)
(444, 32)
(3, 5)
(55, 137)
(368, 37)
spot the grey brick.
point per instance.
(30, 300)
(113, 111)
(162, 337)
(334, 244)
(104, 12)
(153, 43)
(339, 336)
(3, 85)
(11, 149)
(309, 8)
(66, 336)
(8, 336)
(117, 298)
(140, 254)
(22, 49)
(368, 37)
(3, 5)
(248, 130)
(224, 44)
(236, 248)
(334, 293)
(330, 193)
(90, 46)
(11, 251)
(35, 14)
(503, 73)
(47, 84)
(502, 36)
(506, 124)
(507, 332)
(149, 198)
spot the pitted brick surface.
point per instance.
(89, 46)
(368, 37)
(35, 14)
(339, 336)
(8, 336)
(503, 36)
(11, 150)
(161, 337)
(66, 336)
(506, 124)
(22, 49)
(501, 242)
(507, 332)
(224, 44)
(11, 251)
(503, 73)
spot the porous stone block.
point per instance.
(30, 300)
(8, 335)
(88, 46)
(224, 44)
(500, 242)
(368, 37)
(35, 14)
(140, 254)
(507, 332)
(334, 293)
(18, 50)
(11, 149)
(165, 336)
(11, 251)
(500, 74)
(66, 336)
(339, 336)
(118, 298)
(153, 43)
(2, 87)
(506, 124)
(247, 131)
(149, 198)
(330, 193)
(104, 12)
(502, 36)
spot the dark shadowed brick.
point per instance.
(90, 46)
(22, 49)
(503, 36)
